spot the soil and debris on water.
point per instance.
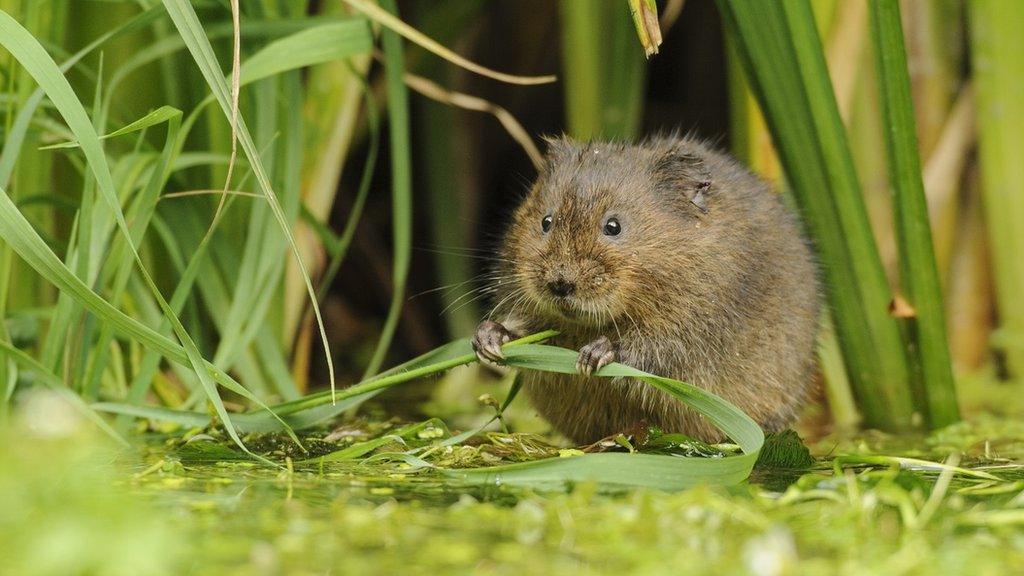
(189, 502)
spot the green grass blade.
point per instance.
(778, 44)
(31, 55)
(187, 22)
(610, 469)
(14, 138)
(401, 185)
(919, 274)
(158, 116)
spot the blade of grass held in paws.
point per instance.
(317, 408)
(918, 272)
(621, 469)
(610, 469)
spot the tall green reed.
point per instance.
(927, 345)
(998, 59)
(778, 43)
(109, 251)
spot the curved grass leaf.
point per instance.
(621, 469)
(158, 116)
(385, 16)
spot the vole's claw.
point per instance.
(596, 355)
(487, 342)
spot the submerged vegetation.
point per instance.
(209, 216)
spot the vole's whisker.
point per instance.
(501, 302)
(448, 287)
(479, 294)
(464, 304)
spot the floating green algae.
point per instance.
(187, 502)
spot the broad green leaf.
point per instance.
(315, 45)
(609, 469)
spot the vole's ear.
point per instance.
(559, 149)
(680, 172)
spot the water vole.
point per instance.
(667, 256)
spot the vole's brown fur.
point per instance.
(710, 281)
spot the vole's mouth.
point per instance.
(566, 310)
(573, 310)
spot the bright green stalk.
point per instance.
(998, 48)
(778, 43)
(928, 345)
(603, 68)
(401, 185)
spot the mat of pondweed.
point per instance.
(180, 502)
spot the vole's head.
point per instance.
(599, 227)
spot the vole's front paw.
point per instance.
(596, 355)
(488, 339)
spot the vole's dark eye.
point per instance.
(545, 223)
(612, 227)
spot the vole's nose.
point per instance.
(561, 287)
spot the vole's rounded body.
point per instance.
(667, 256)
